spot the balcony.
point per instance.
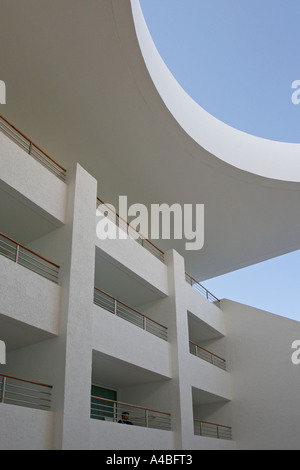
(207, 356)
(26, 418)
(129, 230)
(200, 288)
(213, 430)
(124, 413)
(17, 391)
(31, 148)
(122, 310)
(28, 258)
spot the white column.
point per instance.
(74, 345)
(181, 393)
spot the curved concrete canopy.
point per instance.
(85, 82)
(271, 159)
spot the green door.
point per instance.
(101, 409)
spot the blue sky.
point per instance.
(238, 60)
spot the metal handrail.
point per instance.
(200, 288)
(207, 355)
(31, 148)
(136, 235)
(119, 308)
(111, 410)
(22, 392)
(207, 429)
(27, 258)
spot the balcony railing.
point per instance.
(208, 356)
(130, 231)
(28, 258)
(200, 288)
(122, 310)
(16, 391)
(109, 410)
(31, 148)
(217, 431)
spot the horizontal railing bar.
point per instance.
(130, 308)
(103, 411)
(9, 386)
(19, 387)
(29, 149)
(38, 270)
(133, 406)
(25, 380)
(207, 351)
(49, 165)
(42, 261)
(32, 143)
(28, 249)
(124, 309)
(7, 250)
(156, 248)
(41, 267)
(38, 154)
(15, 390)
(213, 424)
(26, 402)
(24, 395)
(127, 316)
(101, 408)
(4, 245)
(15, 136)
(206, 291)
(132, 317)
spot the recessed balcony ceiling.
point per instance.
(85, 83)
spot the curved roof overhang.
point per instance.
(85, 82)
(267, 158)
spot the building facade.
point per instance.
(95, 329)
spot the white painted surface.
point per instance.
(77, 242)
(25, 428)
(208, 443)
(120, 339)
(265, 383)
(29, 297)
(111, 436)
(205, 310)
(26, 176)
(209, 378)
(136, 260)
(251, 396)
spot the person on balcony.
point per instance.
(125, 418)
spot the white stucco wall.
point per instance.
(46, 192)
(265, 383)
(111, 436)
(207, 377)
(29, 297)
(257, 395)
(120, 339)
(25, 428)
(209, 443)
(136, 260)
(205, 310)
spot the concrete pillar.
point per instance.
(181, 393)
(74, 353)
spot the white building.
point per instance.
(96, 328)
